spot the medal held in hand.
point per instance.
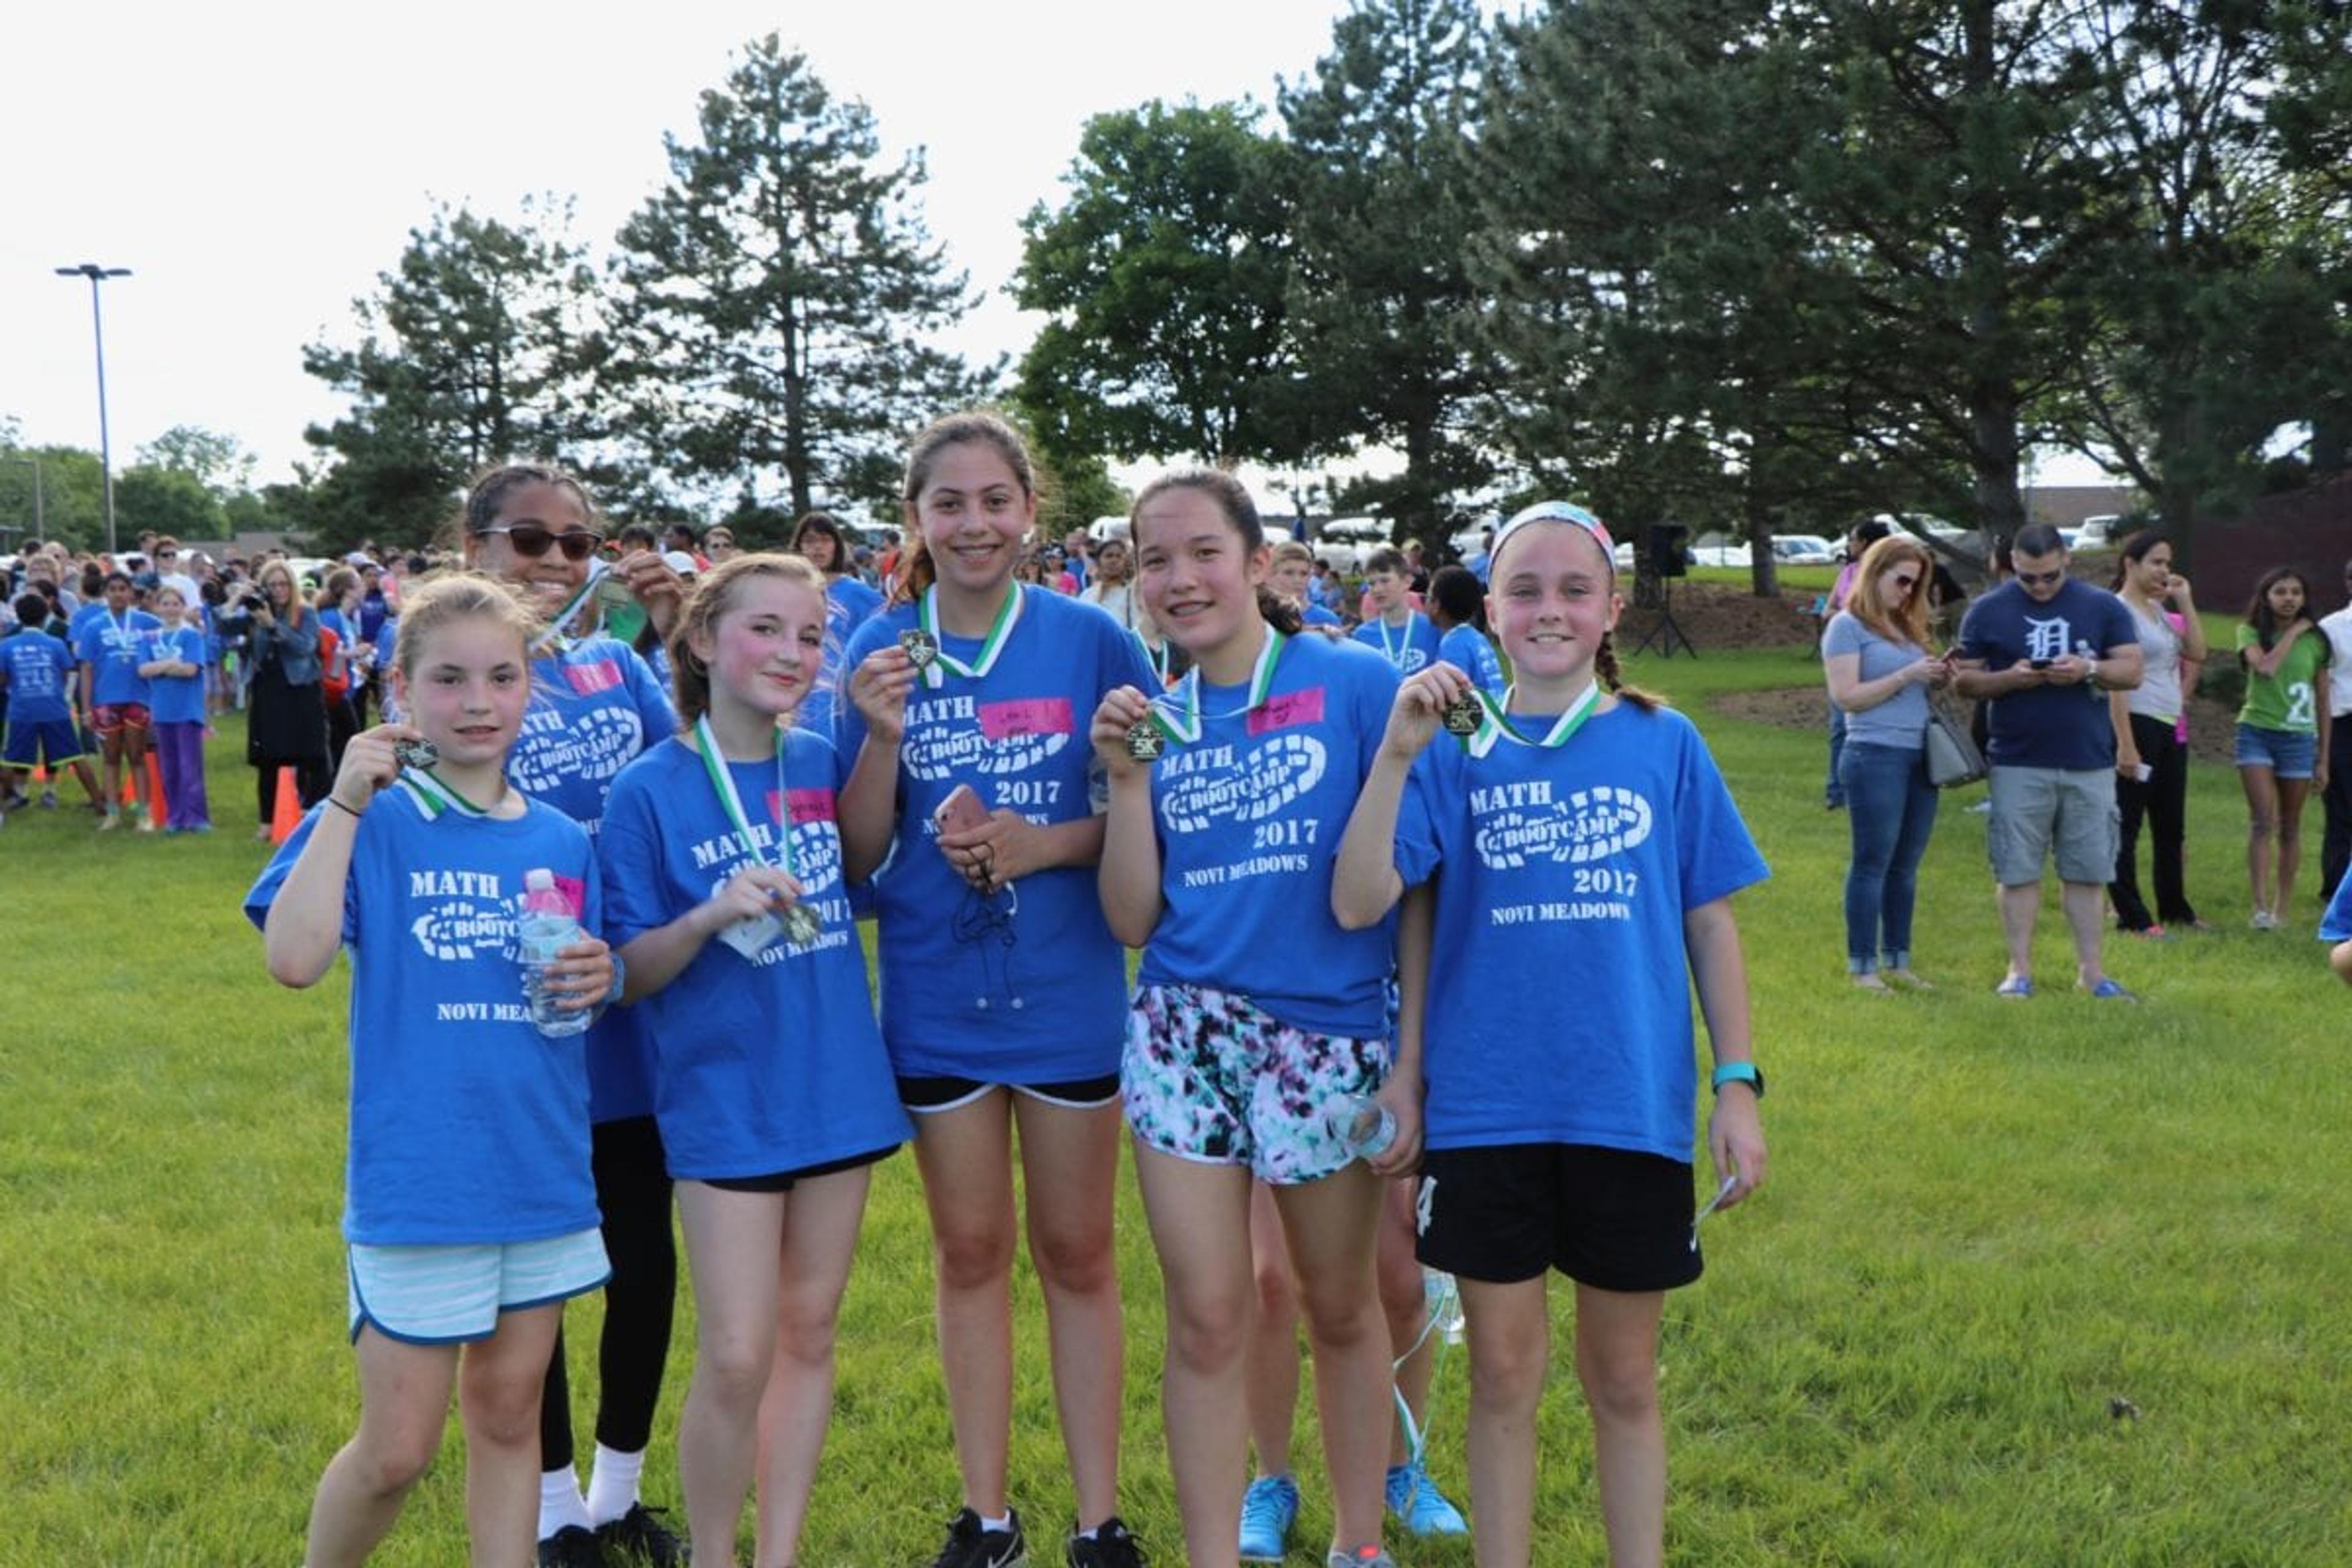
(801, 924)
(1462, 716)
(1144, 741)
(920, 647)
(418, 755)
(613, 592)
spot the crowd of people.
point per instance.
(1326, 812)
(2082, 711)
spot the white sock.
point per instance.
(613, 1483)
(1004, 1523)
(560, 1503)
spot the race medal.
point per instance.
(613, 592)
(1463, 715)
(801, 924)
(1145, 742)
(418, 755)
(920, 647)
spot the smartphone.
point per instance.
(2039, 663)
(960, 812)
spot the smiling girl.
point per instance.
(1001, 987)
(1254, 1013)
(773, 1093)
(468, 1211)
(1597, 822)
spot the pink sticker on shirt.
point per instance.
(597, 675)
(1025, 716)
(1290, 708)
(808, 806)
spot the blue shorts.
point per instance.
(2288, 753)
(453, 1294)
(45, 742)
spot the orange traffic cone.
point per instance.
(158, 812)
(130, 787)
(286, 813)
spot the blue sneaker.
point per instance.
(1269, 1509)
(1414, 1499)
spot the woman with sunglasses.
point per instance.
(1874, 656)
(596, 704)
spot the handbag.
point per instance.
(1953, 756)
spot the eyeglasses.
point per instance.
(529, 541)
(2042, 579)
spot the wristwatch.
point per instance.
(1747, 1073)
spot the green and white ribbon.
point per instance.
(941, 665)
(556, 636)
(433, 797)
(1495, 724)
(1184, 727)
(714, 766)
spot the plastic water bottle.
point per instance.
(1361, 1125)
(547, 925)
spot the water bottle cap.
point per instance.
(539, 879)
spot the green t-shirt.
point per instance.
(2285, 700)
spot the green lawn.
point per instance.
(1986, 1223)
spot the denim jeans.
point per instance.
(1891, 808)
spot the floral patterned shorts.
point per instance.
(1205, 1076)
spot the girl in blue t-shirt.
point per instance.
(1255, 1016)
(771, 1088)
(174, 670)
(849, 603)
(595, 705)
(972, 791)
(469, 1212)
(1547, 862)
(1458, 603)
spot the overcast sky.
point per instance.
(256, 166)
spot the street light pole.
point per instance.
(96, 275)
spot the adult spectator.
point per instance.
(2335, 800)
(2151, 759)
(1858, 541)
(168, 570)
(287, 725)
(1880, 669)
(679, 537)
(2045, 649)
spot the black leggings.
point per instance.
(311, 782)
(633, 1191)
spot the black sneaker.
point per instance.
(970, 1546)
(571, 1547)
(1110, 1547)
(637, 1536)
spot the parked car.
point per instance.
(1347, 542)
(1804, 550)
(2096, 534)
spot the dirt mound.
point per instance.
(1727, 616)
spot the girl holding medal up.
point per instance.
(974, 792)
(1255, 1016)
(596, 704)
(1596, 866)
(469, 1211)
(773, 1093)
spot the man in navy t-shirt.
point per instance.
(2044, 650)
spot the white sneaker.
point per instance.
(2264, 920)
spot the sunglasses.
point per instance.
(1906, 584)
(2036, 579)
(529, 541)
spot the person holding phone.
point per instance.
(1003, 990)
(2151, 758)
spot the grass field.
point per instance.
(1987, 1224)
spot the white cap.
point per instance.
(679, 562)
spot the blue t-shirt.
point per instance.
(1248, 819)
(468, 1125)
(115, 646)
(1900, 721)
(1315, 614)
(41, 677)
(2048, 726)
(1560, 1009)
(762, 1065)
(848, 605)
(2336, 924)
(176, 699)
(1026, 986)
(1465, 647)
(1409, 647)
